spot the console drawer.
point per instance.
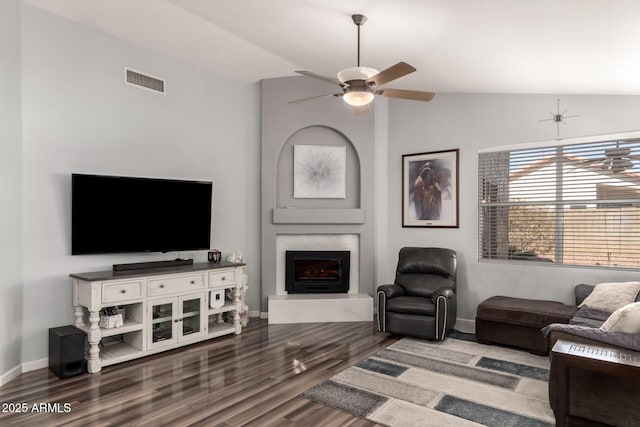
(222, 278)
(122, 291)
(173, 284)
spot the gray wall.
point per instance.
(78, 116)
(10, 187)
(470, 122)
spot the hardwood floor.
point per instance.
(251, 379)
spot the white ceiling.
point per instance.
(491, 46)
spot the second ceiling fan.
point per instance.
(360, 85)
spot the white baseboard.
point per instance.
(21, 369)
(10, 374)
(255, 313)
(35, 364)
(466, 325)
(264, 314)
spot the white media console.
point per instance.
(164, 308)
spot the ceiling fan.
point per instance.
(616, 159)
(360, 84)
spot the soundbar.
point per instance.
(152, 264)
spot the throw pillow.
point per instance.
(625, 319)
(609, 297)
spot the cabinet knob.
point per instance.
(223, 278)
(123, 291)
(161, 285)
(193, 282)
(176, 321)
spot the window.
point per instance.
(571, 202)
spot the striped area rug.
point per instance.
(456, 382)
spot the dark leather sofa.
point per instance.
(421, 302)
(598, 397)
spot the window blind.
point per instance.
(571, 204)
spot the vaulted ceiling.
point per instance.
(482, 46)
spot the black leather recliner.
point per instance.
(422, 301)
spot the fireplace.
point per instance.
(314, 272)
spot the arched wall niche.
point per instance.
(324, 136)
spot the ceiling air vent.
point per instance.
(144, 81)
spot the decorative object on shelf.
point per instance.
(319, 172)
(216, 298)
(430, 189)
(559, 117)
(111, 317)
(243, 281)
(214, 255)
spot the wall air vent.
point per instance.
(144, 81)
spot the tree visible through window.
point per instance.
(572, 204)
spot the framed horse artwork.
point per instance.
(430, 189)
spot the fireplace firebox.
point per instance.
(316, 272)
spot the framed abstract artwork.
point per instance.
(430, 189)
(319, 172)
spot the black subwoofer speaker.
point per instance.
(66, 351)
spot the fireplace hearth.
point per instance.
(312, 272)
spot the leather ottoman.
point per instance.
(518, 322)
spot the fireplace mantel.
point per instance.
(317, 216)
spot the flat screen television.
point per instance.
(117, 214)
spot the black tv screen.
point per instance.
(116, 214)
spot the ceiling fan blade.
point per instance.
(594, 160)
(617, 152)
(413, 95)
(298, 101)
(320, 77)
(394, 72)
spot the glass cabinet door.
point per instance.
(176, 320)
(191, 316)
(162, 321)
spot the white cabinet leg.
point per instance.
(79, 315)
(94, 364)
(236, 312)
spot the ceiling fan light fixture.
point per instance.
(617, 164)
(357, 93)
(620, 165)
(358, 98)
